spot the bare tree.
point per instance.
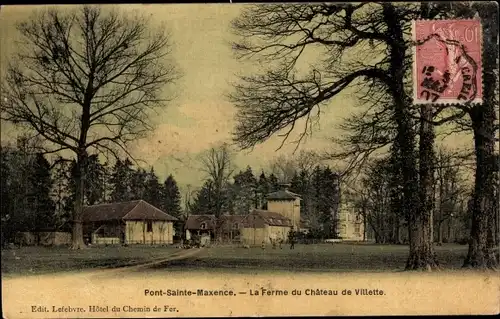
(86, 81)
(364, 45)
(284, 168)
(484, 124)
(218, 166)
(450, 191)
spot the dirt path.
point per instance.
(181, 254)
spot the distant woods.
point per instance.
(244, 190)
(39, 195)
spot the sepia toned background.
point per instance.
(197, 119)
(201, 116)
(458, 293)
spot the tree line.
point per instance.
(379, 200)
(38, 194)
(243, 191)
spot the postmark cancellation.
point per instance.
(447, 66)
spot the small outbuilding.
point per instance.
(262, 226)
(133, 222)
(202, 226)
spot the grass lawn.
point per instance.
(319, 257)
(39, 260)
(342, 257)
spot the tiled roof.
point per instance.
(232, 221)
(269, 218)
(282, 195)
(195, 221)
(133, 210)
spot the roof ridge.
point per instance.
(130, 211)
(114, 203)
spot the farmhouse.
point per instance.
(202, 226)
(263, 226)
(134, 222)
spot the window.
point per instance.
(149, 226)
(357, 228)
(203, 226)
(235, 226)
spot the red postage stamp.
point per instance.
(447, 66)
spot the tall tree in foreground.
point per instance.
(5, 195)
(274, 101)
(86, 80)
(484, 124)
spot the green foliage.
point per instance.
(320, 194)
(121, 181)
(26, 183)
(244, 192)
(171, 197)
(153, 190)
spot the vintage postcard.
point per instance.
(284, 159)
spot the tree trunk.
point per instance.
(77, 234)
(400, 241)
(423, 255)
(420, 255)
(440, 232)
(481, 254)
(481, 246)
(364, 224)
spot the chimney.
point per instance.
(285, 186)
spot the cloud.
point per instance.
(200, 126)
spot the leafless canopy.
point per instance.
(87, 78)
(277, 98)
(284, 167)
(350, 44)
(217, 164)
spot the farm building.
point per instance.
(263, 226)
(231, 227)
(287, 204)
(134, 222)
(205, 227)
(200, 225)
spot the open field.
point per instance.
(41, 260)
(321, 257)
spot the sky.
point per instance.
(200, 116)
